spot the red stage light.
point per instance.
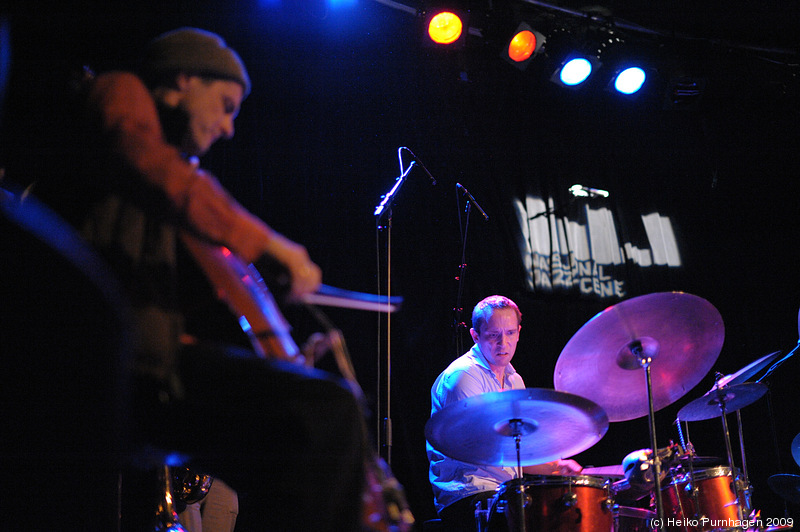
(522, 46)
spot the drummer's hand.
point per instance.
(557, 467)
(567, 467)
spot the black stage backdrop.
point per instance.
(336, 93)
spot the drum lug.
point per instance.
(569, 500)
(609, 503)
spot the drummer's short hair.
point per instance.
(483, 310)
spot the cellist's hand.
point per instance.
(305, 276)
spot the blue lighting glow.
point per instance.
(575, 71)
(630, 80)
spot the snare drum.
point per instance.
(552, 504)
(713, 505)
(633, 508)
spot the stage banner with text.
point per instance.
(589, 246)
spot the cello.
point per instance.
(241, 287)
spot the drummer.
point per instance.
(486, 367)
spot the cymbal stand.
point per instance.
(689, 448)
(720, 392)
(745, 480)
(645, 360)
(516, 432)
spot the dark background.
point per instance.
(338, 89)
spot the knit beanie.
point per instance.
(195, 51)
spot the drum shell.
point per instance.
(716, 506)
(553, 504)
(633, 509)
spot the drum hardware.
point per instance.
(719, 402)
(569, 500)
(609, 502)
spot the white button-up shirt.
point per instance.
(466, 376)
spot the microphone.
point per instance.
(472, 199)
(587, 192)
(433, 181)
(422, 165)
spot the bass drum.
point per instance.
(552, 504)
(713, 506)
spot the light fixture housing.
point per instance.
(523, 45)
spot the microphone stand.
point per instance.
(462, 270)
(458, 310)
(384, 210)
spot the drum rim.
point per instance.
(701, 474)
(590, 481)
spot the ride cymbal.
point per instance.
(680, 333)
(482, 429)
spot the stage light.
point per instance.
(575, 71)
(629, 80)
(444, 27)
(523, 45)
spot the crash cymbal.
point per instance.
(748, 371)
(681, 333)
(787, 486)
(796, 449)
(550, 424)
(733, 397)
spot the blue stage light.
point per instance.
(630, 80)
(575, 71)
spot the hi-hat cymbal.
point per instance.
(732, 398)
(787, 486)
(681, 333)
(748, 371)
(550, 425)
(796, 449)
